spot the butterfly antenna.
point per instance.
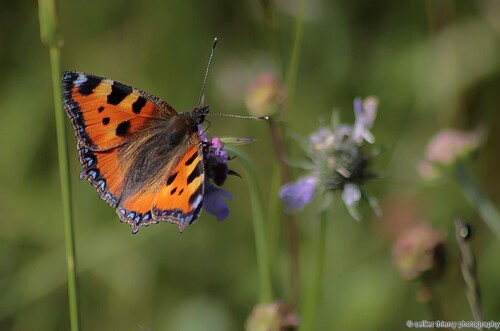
(200, 99)
(240, 116)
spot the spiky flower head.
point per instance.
(339, 159)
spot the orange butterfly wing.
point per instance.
(106, 113)
(179, 197)
(103, 171)
(111, 122)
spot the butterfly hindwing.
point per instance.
(179, 197)
(105, 113)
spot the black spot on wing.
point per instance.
(87, 87)
(105, 120)
(171, 178)
(181, 191)
(123, 128)
(138, 105)
(100, 109)
(118, 93)
(194, 174)
(173, 191)
(192, 158)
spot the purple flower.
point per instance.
(297, 195)
(216, 172)
(216, 162)
(339, 161)
(215, 202)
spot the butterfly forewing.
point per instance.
(106, 113)
(104, 171)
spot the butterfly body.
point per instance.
(144, 158)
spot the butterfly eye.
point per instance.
(175, 137)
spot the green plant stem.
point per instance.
(269, 14)
(62, 147)
(277, 131)
(485, 207)
(290, 221)
(279, 144)
(469, 270)
(293, 66)
(433, 303)
(265, 291)
(274, 212)
(311, 300)
(50, 37)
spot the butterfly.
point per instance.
(144, 158)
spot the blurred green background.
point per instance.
(432, 64)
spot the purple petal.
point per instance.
(223, 157)
(360, 133)
(320, 136)
(322, 140)
(217, 143)
(342, 132)
(358, 106)
(365, 113)
(215, 203)
(370, 111)
(297, 195)
(203, 135)
(351, 194)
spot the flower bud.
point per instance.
(420, 252)
(266, 95)
(446, 148)
(272, 317)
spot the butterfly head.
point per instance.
(200, 113)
